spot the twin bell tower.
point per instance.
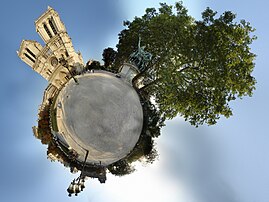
(58, 46)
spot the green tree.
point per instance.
(109, 56)
(94, 65)
(121, 168)
(43, 129)
(198, 66)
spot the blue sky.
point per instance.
(226, 162)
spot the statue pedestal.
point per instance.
(128, 72)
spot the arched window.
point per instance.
(47, 30)
(52, 25)
(30, 52)
(66, 54)
(26, 55)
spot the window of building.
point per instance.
(54, 61)
(28, 56)
(30, 52)
(48, 52)
(58, 43)
(47, 30)
(52, 25)
(66, 54)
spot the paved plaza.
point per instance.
(102, 114)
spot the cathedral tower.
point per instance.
(58, 45)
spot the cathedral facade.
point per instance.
(46, 60)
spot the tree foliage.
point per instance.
(44, 131)
(109, 56)
(198, 66)
(121, 168)
(93, 65)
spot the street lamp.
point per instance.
(82, 183)
(71, 189)
(77, 189)
(77, 185)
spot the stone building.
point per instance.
(45, 60)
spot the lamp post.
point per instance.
(66, 65)
(71, 189)
(77, 185)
